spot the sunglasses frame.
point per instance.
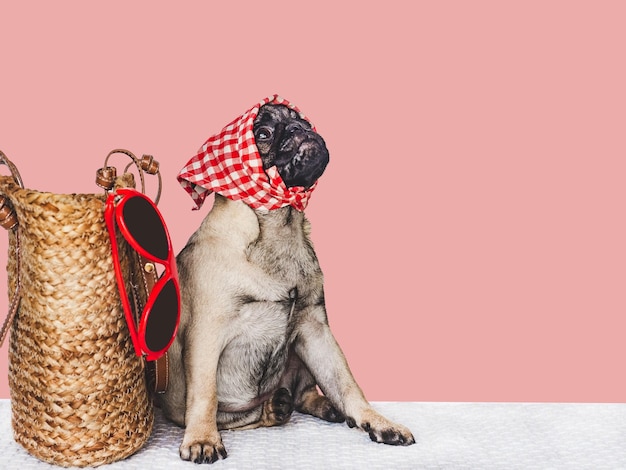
(113, 215)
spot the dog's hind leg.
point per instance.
(313, 403)
(274, 412)
(307, 398)
(278, 409)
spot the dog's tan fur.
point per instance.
(254, 342)
(240, 319)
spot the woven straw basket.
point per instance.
(78, 391)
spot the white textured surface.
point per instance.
(449, 435)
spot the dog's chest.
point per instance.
(283, 279)
(291, 281)
(283, 251)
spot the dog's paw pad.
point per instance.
(203, 452)
(331, 414)
(281, 405)
(382, 430)
(391, 436)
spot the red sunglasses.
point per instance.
(142, 226)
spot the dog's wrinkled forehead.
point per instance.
(274, 113)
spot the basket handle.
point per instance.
(4, 160)
(15, 300)
(105, 176)
(8, 220)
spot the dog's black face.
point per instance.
(286, 140)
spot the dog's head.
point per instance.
(287, 141)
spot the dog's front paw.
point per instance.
(203, 451)
(395, 435)
(380, 429)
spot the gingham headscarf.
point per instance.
(229, 164)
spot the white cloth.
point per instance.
(477, 436)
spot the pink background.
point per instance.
(471, 224)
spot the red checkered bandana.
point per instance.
(229, 164)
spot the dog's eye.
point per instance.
(263, 133)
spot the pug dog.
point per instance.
(254, 342)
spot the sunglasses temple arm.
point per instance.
(121, 284)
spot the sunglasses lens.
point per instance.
(145, 226)
(162, 319)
